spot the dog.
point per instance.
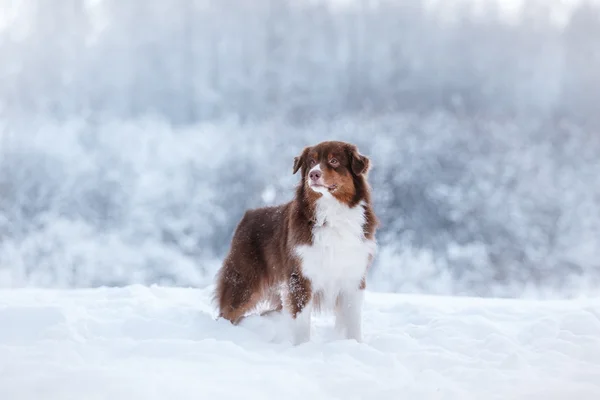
(310, 254)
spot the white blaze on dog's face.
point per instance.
(331, 168)
(315, 180)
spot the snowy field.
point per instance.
(163, 343)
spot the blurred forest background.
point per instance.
(134, 134)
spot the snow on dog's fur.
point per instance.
(310, 253)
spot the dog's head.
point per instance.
(334, 168)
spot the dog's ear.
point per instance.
(360, 164)
(301, 159)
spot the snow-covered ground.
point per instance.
(163, 343)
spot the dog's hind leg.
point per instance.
(236, 293)
(274, 302)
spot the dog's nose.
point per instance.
(315, 175)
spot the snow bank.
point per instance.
(159, 343)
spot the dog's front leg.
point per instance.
(348, 314)
(299, 305)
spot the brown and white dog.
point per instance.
(310, 253)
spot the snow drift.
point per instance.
(160, 343)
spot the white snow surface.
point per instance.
(148, 343)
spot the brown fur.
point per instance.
(261, 258)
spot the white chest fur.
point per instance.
(337, 260)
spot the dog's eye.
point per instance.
(334, 162)
(312, 162)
